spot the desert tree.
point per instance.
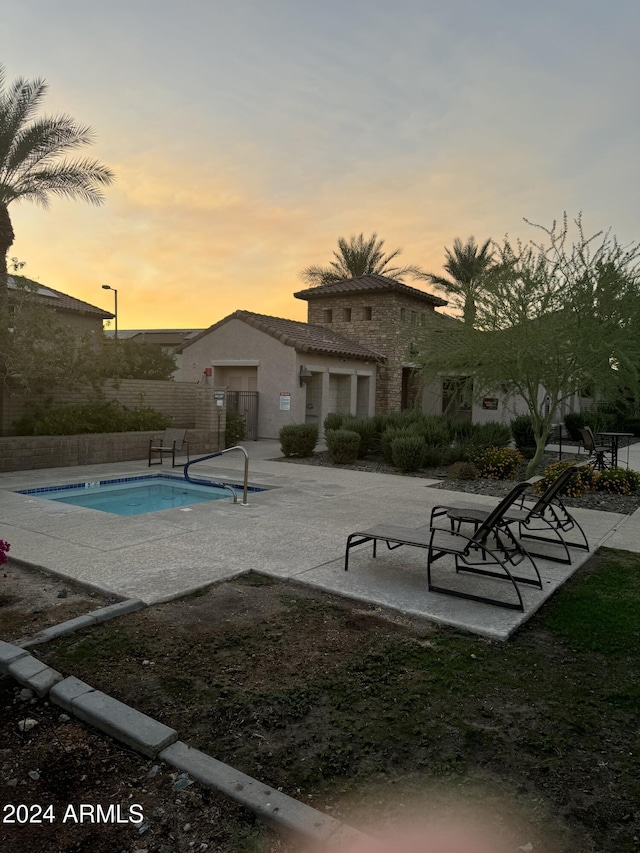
(560, 314)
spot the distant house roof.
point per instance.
(369, 284)
(163, 337)
(302, 336)
(55, 298)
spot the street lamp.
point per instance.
(115, 293)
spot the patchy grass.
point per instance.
(335, 704)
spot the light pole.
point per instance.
(115, 293)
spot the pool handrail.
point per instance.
(222, 485)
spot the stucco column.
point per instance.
(353, 402)
(324, 403)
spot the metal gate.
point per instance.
(245, 403)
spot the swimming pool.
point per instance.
(136, 495)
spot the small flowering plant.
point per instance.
(4, 548)
(617, 481)
(582, 481)
(498, 463)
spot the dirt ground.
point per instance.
(60, 763)
(31, 601)
(362, 714)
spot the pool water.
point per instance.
(136, 495)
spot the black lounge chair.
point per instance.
(547, 514)
(602, 454)
(491, 550)
(171, 441)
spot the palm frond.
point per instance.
(32, 164)
(357, 257)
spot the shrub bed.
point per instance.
(298, 439)
(94, 416)
(343, 445)
(498, 463)
(408, 452)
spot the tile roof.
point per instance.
(156, 336)
(56, 299)
(369, 284)
(304, 337)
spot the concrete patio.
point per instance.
(296, 531)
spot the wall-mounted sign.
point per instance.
(218, 395)
(285, 401)
(490, 403)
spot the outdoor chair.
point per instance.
(597, 452)
(172, 441)
(490, 551)
(545, 515)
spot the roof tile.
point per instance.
(368, 283)
(304, 337)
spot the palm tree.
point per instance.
(356, 257)
(32, 161)
(467, 266)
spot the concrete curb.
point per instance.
(27, 670)
(103, 614)
(271, 806)
(154, 739)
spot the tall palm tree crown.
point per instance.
(32, 157)
(467, 266)
(355, 257)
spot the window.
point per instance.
(423, 318)
(366, 313)
(346, 315)
(403, 315)
(328, 315)
(413, 318)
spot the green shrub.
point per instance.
(298, 439)
(498, 463)
(462, 471)
(235, 429)
(461, 429)
(458, 451)
(94, 416)
(617, 481)
(579, 483)
(528, 452)
(435, 430)
(596, 420)
(366, 429)
(573, 421)
(491, 434)
(343, 445)
(433, 454)
(387, 438)
(333, 421)
(408, 452)
(522, 431)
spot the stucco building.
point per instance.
(353, 355)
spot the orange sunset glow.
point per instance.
(247, 138)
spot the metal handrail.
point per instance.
(222, 485)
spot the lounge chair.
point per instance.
(491, 550)
(597, 452)
(171, 441)
(547, 514)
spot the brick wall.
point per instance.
(24, 453)
(387, 332)
(178, 400)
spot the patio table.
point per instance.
(615, 441)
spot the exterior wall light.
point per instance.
(304, 375)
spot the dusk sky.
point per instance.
(247, 136)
